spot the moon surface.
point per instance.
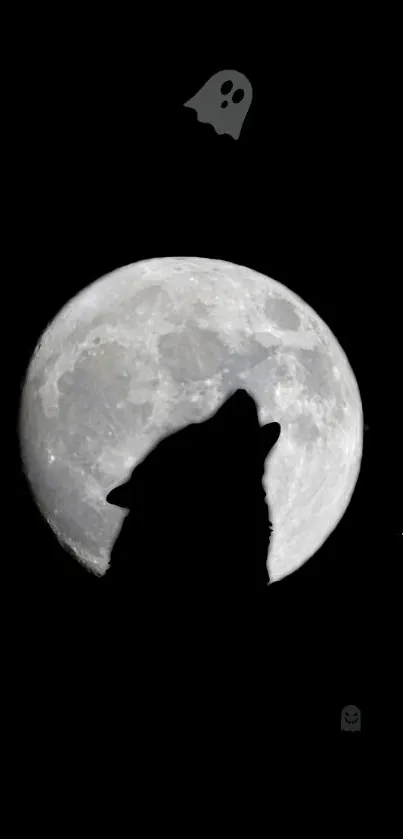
(155, 345)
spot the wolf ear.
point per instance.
(269, 436)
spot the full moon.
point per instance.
(158, 344)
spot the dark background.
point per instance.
(112, 169)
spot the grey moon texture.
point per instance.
(160, 343)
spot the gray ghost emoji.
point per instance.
(351, 718)
(223, 102)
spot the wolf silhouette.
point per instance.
(188, 573)
(198, 528)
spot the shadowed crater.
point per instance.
(281, 313)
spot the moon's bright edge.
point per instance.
(158, 344)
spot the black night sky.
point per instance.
(115, 170)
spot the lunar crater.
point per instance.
(281, 313)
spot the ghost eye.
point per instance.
(238, 96)
(226, 87)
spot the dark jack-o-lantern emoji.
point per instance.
(351, 718)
